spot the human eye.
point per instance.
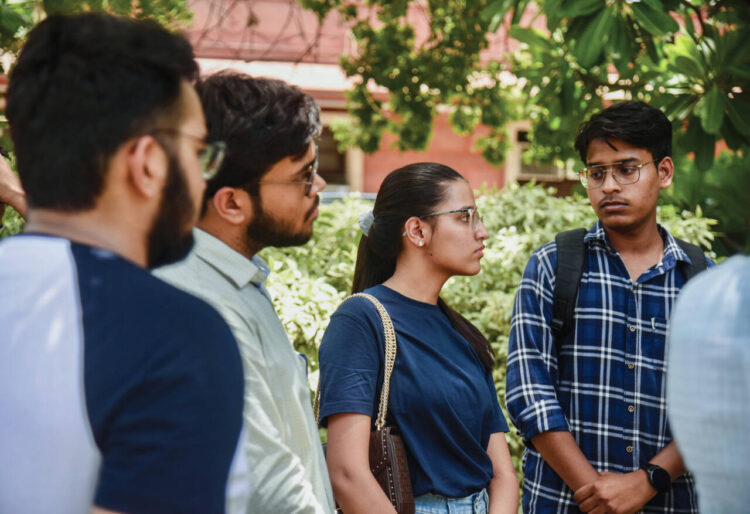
(627, 171)
(465, 216)
(595, 174)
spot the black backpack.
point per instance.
(570, 256)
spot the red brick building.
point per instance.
(277, 38)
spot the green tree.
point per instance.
(17, 17)
(690, 57)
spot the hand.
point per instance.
(11, 191)
(615, 493)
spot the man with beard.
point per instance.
(109, 395)
(265, 194)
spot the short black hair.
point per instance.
(82, 86)
(632, 121)
(261, 120)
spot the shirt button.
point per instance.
(631, 408)
(631, 365)
(629, 449)
(632, 328)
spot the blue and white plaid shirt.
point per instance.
(605, 381)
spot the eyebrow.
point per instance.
(623, 161)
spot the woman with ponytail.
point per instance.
(424, 229)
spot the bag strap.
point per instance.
(570, 257)
(697, 259)
(390, 358)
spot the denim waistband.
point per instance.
(477, 503)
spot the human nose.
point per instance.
(319, 183)
(610, 183)
(481, 231)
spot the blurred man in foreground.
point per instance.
(109, 395)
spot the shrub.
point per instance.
(310, 281)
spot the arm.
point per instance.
(562, 453)
(503, 488)
(354, 485)
(282, 484)
(11, 192)
(531, 393)
(628, 492)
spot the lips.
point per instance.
(480, 251)
(313, 212)
(612, 205)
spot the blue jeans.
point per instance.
(477, 503)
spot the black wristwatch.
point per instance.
(658, 477)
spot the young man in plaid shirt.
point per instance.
(590, 402)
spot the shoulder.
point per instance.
(726, 283)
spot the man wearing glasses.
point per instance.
(590, 401)
(110, 396)
(265, 194)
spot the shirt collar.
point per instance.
(237, 268)
(672, 251)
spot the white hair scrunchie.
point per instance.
(365, 221)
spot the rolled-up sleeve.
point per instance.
(532, 355)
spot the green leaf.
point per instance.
(688, 66)
(576, 8)
(11, 21)
(696, 140)
(589, 48)
(654, 21)
(739, 114)
(741, 72)
(532, 37)
(711, 110)
(732, 137)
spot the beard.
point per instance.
(265, 230)
(167, 241)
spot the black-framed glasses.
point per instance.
(471, 216)
(624, 173)
(209, 158)
(309, 176)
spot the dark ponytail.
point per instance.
(414, 190)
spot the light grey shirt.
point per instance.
(287, 465)
(708, 384)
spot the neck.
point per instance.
(234, 236)
(90, 228)
(640, 241)
(413, 280)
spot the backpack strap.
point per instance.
(697, 259)
(570, 257)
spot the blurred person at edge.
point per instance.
(111, 400)
(708, 386)
(424, 229)
(265, 194)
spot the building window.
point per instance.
(331, 162)
(517, 166)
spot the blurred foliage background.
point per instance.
(309, 282)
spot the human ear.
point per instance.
(416, 231)
(146, 165)
(665, 170)
(233, 204)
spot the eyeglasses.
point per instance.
(470, 216)
(624, 173)
(310, 173)
(209, 158)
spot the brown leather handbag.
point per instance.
(387, 452)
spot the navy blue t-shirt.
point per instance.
(442, 399)
(116, 389)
